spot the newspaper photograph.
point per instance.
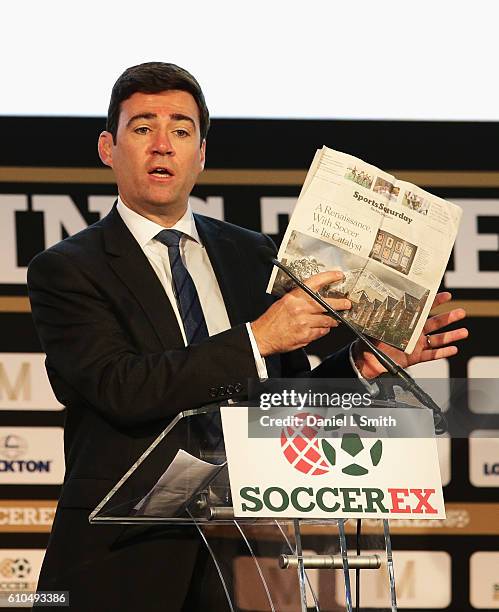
(391, 239)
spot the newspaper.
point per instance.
(391, 239)
(183, 478)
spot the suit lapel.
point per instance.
(133, 268)
(232, 272)
(229, 267)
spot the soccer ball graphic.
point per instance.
(301, 447)
(21, 568)
(349, 453)
(355, 456)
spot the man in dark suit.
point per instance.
(151, 311)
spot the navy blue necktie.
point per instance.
(185, 290)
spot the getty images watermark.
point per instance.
(322, 405)
(381, 407)
(470, 407)
(291, 398)
(311, 400)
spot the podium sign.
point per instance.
(327, 465)
(284, 470)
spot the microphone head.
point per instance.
(266, 254)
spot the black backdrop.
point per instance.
(246, 161)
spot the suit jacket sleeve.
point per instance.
(92, 360)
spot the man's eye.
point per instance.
(182, 133)
(142, 130)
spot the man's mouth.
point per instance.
(160, 171)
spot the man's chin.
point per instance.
(165, 206)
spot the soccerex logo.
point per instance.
(310, 454)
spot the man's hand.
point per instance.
(428, 348)
(295, 320)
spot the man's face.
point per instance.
(157, 155)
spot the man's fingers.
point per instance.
(336, 303)
(442, 320)
(296, 319)
(312, 321)
(323, 321)
(317, 281)
(339, 303)
(441, 298)
(445, 338)
(312, 306)
(439, 353)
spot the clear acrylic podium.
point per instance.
(284, 565)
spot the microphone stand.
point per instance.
(407, 382)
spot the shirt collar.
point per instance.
(144, 230)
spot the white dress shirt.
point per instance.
(196, 260)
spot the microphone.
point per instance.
(266, 254)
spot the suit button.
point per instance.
(230, 389)
(238, 387)
(213, 392)
(221, 391)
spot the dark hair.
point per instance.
(155, 77)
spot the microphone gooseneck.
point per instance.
(408, 383)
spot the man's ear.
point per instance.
(105, 148)
(203, 154)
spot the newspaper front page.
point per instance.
(391, 239)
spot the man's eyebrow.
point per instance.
(182, 117)
(141, 116)
(173, 116)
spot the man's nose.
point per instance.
(162, 144)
